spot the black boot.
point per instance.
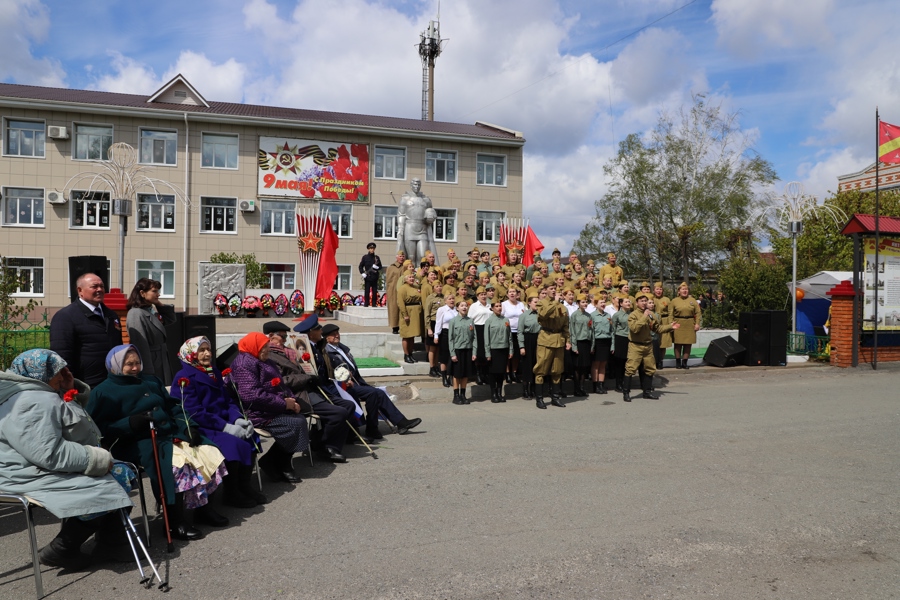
(445, 378)
(462, 396)
(626, 389)
(555, 393)
(495, 393)
(539, 395)
(245, 480)
(527, 390)
(684, 364)
(207, 515)
(64, 551)
(619, 384)
(456, 397)
(500, 396)
(479, 380)
(273, 465)
(647, 386)
(601, 387)
(177, 526)
(579, 387)
(234, 495)
(408, 359)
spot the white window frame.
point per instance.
(479, 238)
(31, 269)
(141, 157)
(402, 176)
(433, 168)
(282, 213)
(6, 151)
(342, 210)
(89, 197)
(104, 152)
(483, 166)
(150, 271)
(345, 273)
(237, 152)
(43, 207)
(142, 200)
(375, 222)
(233, 208)
(271, 274)
(444, 219)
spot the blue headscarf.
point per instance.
(42, 365)
(116, 357)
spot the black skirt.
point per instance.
(497, 364)
(602, 347)
(463, 368)
(429, 339)
(582, 360)
(515, 343)
(479, 335)
(444, 347)
(526, 363)
(621, 348)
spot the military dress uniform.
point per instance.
(619, 347)
(554, 321)
(409, 299)
(640, 351)
(665, 339)
(581, 338)
(614, 272)
(391, 280)
(685, 312)
(460, 339)
(529, 328)
(602, 330)
(497, 349)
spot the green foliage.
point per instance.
(750, 284)
(12, 315)
(257, 276)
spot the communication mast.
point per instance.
(429, 49)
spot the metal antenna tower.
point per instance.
(429, 49)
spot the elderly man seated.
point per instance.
(377, 401)
(334, 414)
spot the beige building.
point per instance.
(244, 169)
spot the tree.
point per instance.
(675, 193)
(749, 284)
(257, 274)
(11, 314)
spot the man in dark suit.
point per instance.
(370, 269)
(84, 332)
(377, 402)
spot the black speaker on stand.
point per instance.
(724, 352)
(79, 265)
(184, 328)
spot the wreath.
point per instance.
(234, 305)
(251, 303)
(359, 300)
(296, 302)
(221, 303)
(334, 302)
(267, 301)
(281, 305)
(382, 300)
(347, 299)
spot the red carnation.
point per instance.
(305, 357)
(183, 381)
(276, 382)
(70, 395)
(226, 372)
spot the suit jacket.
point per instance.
(84, 339)
(336, 360)
(294, 377)
(148, 333)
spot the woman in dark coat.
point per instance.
(146, 323)
(123, 407)
(206, 399)
(270, 405)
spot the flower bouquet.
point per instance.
(221, 304)
(321, 304)
(334, 302)
(251, 305)
(234, 305)
(281, 305)
(267, 302)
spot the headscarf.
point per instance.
(188, 354)
(252, 343)
(42, 365)
(116, 358)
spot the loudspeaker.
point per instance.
(174, 339)
(79, 265)
(184, 328)
(754, 336)
(724, 352)
(224, 360)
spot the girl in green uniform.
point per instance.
(580, 336)
(460, 338)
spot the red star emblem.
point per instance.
(515, 246)
(310, 242)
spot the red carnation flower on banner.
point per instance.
(276, 382)
(226, 372)
(70, 395)
(183, 382)
(306, 357)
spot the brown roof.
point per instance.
(866, 224)
(112, 99)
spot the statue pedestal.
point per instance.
(366, 316)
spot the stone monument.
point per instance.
(415, 215)
(217, 278)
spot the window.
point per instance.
(158, 147)
(218, 215)
(341, 218)
(90, 210)
(155, 213)
(342, 283)
(440, 166)
(445, 225)
(30, 272)
(220, 151)
(92, 142)
(162, 271)
(487, 226)
(281, 276)
(278, 218)
(490, 170)
(23, 207)
(390, 163)
(385, 223)
(25, 138)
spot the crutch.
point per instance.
(170, 547)
(132, 535)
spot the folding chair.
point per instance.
(310, 419)
(27, 504)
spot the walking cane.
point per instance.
(170, 547)
(352, 428)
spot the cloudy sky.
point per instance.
(576, 76)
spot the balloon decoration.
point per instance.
(800, 294)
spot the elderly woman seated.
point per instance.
(124, 406)
(219, 418)
(49, 451)
(270, 405)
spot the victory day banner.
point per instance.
(299, 169)
(888, 284)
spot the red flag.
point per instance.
(328, 270)
(888, 143)
(532, 245)
(502, 249)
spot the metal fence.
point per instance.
(814, 346)
(22, 336)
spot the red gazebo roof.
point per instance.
(866, 224)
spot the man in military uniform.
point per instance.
(552, 343)
(612, 270)
(451, 256)
(391, 279)
(641, 324)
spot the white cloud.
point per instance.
(748, 29)
(129, 77)
(819, 177)
(651, 67)
(23, 24)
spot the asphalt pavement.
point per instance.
(753, 483)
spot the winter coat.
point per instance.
(148, 334)
(83, 339)
(261, 400)
(45, 454)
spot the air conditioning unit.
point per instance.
(55, 197)
(58, 133)
(247, 205)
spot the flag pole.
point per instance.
(877, 241)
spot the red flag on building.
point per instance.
(532, 245)
(328, 270)
(502, 249)
(888, 143)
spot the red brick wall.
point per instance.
(842, 336)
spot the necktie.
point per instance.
(98, 311)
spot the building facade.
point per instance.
(243, 170)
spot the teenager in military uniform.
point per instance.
(553, 342)
(602, 330)
(391, 283)
(409, 299)
(441, 328)
(620, 342)
(685, 311)
(430, 306)
(460, 338)
(580, 337)
(527, 336)
(479, 311)
(640, 348)
(497, 349)
(665, 339)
